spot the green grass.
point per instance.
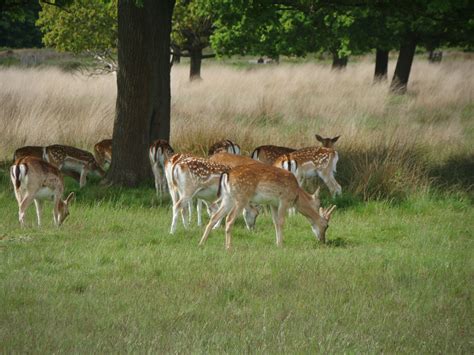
(394, 277)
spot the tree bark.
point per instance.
(403, 68)
(381, 65)
(143, 87)
(196, 60)
(338, 63)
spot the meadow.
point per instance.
(395, 276)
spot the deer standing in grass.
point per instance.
(224, 145)
(159, 152)
(198, 177)
(103, 153)
(268, 185)
(269, 153)
(71, 159)
(311, 162)
(36, 180)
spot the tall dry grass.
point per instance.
(387, 141)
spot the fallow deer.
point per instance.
(327, 142)
(265, 184)
(199, 177)
(267, 154)
(36, 180)
(28, 151)
(159, 152)
(311, 162)
(224, 145)
(103, 153)
(232, 160)
(71, 159)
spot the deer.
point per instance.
(313, 161)
(159, 152)
(30, 150)
(224, 145)
(269, 153)
(327, 142)
(232, 160)
(199, 177)
(36, 180)
(268, 185)
(103, 153)
(71, 159)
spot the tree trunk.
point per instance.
(143, 87)
(196, 60)
(403, 68)
(338, 63)
(381, 65)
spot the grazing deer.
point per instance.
(267, 154)
(159, 152)
(313, 161)
(28, 151)
(71, 159)
(232, 160)
(265, 184)
(199, 177)
(36, 180)
(224, 145)
(327, 142)
(103, 153)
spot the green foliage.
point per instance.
(81, 25)
(17, 24)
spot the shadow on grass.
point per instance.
(338, 243)
(457, 173)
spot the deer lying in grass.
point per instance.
(103, 153)
(159, 152)
(265, 184)
(70, 159)
(36, 180)
(224, 145)
(311, 162)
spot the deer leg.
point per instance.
(216, 218)
(82, 179)
(229, 222)
(23, 206)
(38, 204)
(179, 206)
(199, 211)
(157, 175)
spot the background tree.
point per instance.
(17, 24)
(192, 28)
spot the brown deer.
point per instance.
(28, 151)
(224, 145)
(268, 185)
(199, 177)
(160, 150)
(71, 159)
(36, 180)
(311, 162)
(103, 153)
(327, 142)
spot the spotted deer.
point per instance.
(103, 153)
(232, 160)
(29, 151)
(199, 177)
(36, 180)
(327, 142)
(224, 145)
(311, 162)
(160, 150)
(71, 159)
(268, 185)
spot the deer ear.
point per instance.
(71, 197)
(319, 138)
(334, 140)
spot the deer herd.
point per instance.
(226, 183)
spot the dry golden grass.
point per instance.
(282, 105)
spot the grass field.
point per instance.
(395, 276)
